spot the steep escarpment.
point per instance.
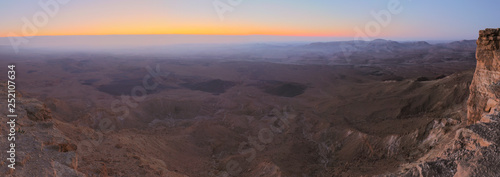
(485, 87)
(240, 118)
(473, 150)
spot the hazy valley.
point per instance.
(320, 109)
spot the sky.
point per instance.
(414, 20)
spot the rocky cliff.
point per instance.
(474, 149)
(485, 88)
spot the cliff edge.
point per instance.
(485, 87)
(474, 149)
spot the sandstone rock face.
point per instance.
(474, 150)
(485, 87)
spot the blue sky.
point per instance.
(419, 19)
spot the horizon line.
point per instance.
(229, 35)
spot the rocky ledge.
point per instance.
(485, 87)
(40, 148)
(474, 150)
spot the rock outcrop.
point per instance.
(474, 150)
(484, 96)
(41, 149)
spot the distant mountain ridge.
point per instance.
(377, 51)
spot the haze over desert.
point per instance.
(249, 88)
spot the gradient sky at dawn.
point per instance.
(420, 19)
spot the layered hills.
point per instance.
(358, 108)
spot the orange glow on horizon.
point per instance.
(189, 29)
(192, 32)
(159, 19)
